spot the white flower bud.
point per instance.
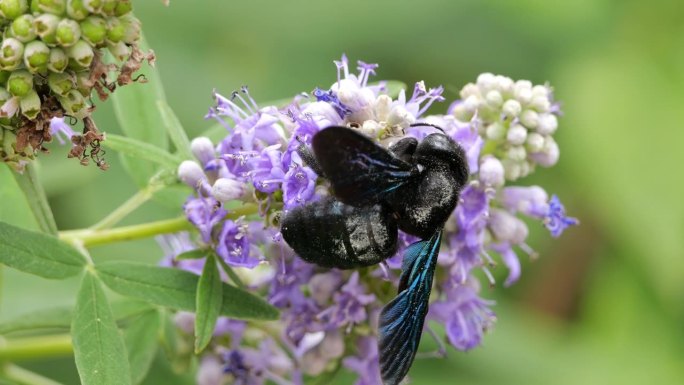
(549, 155)
(471, 103)
(469, 89)
(529, 119)
(516, 134)
(400, 117)
(523, 91)
(486, 81)
(525, 169)
(370, 128)
(540, 103)
(225, 189)
(491, 172)
(534, 142)
(517, 153)
(506, 227)
(511, 169)
(190, 173)
(461, 113)
(541, 91)
(494, 98)
(511, 108)
(495, 131)
(203, 149)
(548, 123)
(505, 85)
(383, 105)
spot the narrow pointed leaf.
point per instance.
(192, 254)
(176, 289)
(175, 130)
(138, 149)
(38, 253)
(98, 347)
(208, 303)
(141, 339)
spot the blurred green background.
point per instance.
(603, 305)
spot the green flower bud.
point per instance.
(76, 10)
(20, 83)
(46, 27)
(93, 6)
(58, 60)
(61, 84)
(73, 103)
(121, 51)
(30, 104)
(123, 7)
(56, 7)
(109, 7)
(11, 53)
(80, 55)
(68, 32)
(11, 9)
(4, 75)
(131, 27)
(94, 30)
(22, 28)
(36, 56)
(116, 30)
(4, 96)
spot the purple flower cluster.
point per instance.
(329, 317)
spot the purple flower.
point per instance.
(555, 219)
(61, 130)
(510, 259)
(299, 186)
(349, 304)
(529, 200)
(331, 98)
(233, 245)
(175, 244)
(365, 363)
(267, 171)
(248, 366)
(465, 315)
(204, 213)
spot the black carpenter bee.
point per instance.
(413, 186)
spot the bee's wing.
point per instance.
(360, 171)
(401, 321)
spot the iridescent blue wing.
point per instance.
(401, 321)
(360, 171)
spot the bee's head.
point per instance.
(438, 151)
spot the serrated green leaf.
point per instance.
(98, 347)
(38, 253)
(175, 130)
(208, 303)
(176, 289)
(192, 254)
(135, 106)
(60, 317)
(140, 150)
(141, 339)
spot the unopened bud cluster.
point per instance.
(517, 120)
(50, 62)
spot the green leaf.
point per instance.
(59, 317)
(98, 347)
(176, 289)
(192, 254)
(141, 339)
(175, 129)
(392, 87)
(38, 253)
(135, 106)
(208, 303)
(140, 150)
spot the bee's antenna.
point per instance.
(428, 125)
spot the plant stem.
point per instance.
(90, 237)
(36, 347)
(93, 237)
(37, 200)
(128, 207)
(21, 376)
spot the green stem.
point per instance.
(21, 376)
(36, 347)
(92, 237)
(128, 207)
(37, 200)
